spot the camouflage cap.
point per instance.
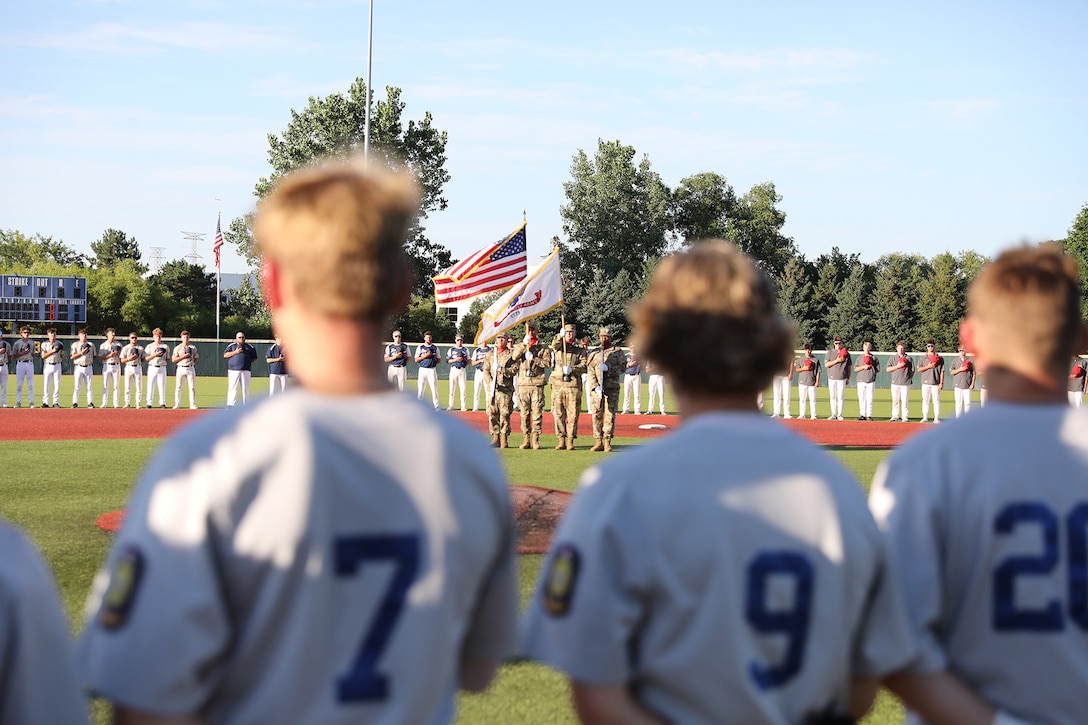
(605, 332)
(531, 324)
(568, 328)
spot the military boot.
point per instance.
(536, 441)
(495, 441)
(598, 445)
(608, 445)
(503, 443)
(561, 444)
(570, 443)
(525, 443)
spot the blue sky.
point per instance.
(921, 127)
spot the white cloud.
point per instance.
(120, 38)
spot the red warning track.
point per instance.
(42, 424)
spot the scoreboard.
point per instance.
(30, 298)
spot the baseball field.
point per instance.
(65, 468)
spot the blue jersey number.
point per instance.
(363, 683)
(792, 623)
(1049, 617)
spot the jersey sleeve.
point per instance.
(38, 679)
(158, 630)
(492, 630)
(909, 520)
(589, 598)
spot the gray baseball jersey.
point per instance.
(838, 371)
(4, 349)
(308, 559)
(965, 378)
(745, 594)
(904, 375)
(22, 350)
(868, 375)
(986, 527)
(38, 678)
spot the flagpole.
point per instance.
(369, 57)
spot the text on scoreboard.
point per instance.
(30, 298)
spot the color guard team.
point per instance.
(280, 563)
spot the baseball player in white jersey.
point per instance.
(82, 354)
(276, 357)
(808, 379)
(932, 372)
(157, 355)
(457, 358)
(837, 363)
(680, 591)
(109, 352)
(397, 355)
(278, 564)
(632, 382)
(52, 352)
(39, 682)
(656, 385)
(5, 350)
(132, 356)
(986, 521)
(23, 352)
(185, 356)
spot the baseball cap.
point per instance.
(606, 332)
(568, 328)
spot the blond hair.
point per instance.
(710, 323)
(1028, 301)
(338, 234)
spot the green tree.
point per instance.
(851, 315)
(1076, 246)
(245, 310)
(617, 214)
(421, 316)
(941, 303)
(833, 269)
(898, 285)
(605, 304)
(335, 127)
(704, 204)
(113, 246)
(469, 323)
(795, 299)
(21, 253)
(188, 282)
(756, 229)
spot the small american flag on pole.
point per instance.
(495, 267)
(218, 240)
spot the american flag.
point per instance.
(218, 241)
(495, 267)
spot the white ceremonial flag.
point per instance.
(540, 292)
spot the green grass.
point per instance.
(70, 483)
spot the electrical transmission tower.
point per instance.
(157, 258)
(193, 257)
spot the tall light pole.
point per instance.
(369, 57)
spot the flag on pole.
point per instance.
(495, 267)
(218, 240)
(541, 292)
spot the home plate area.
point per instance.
(536, 510)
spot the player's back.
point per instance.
(987, 525)
(746, 566)
(323, 560)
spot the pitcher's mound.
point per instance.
(536, 513)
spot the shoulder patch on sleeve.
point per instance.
(121, 592)
(558, 589)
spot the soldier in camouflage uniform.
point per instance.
(605, 365)
(501, 366)
(566, 380)
(536, 358)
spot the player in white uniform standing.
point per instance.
(38, 678)
(109, 352)
(963, 380)
(457, 357)
(837, 363)
(396, 354)
(185, 356)
(681, 591)
(5, 350)
(276, 357)
(986, 521)
(780, 386)
(157, 355)
(656, 385)
(632, 382)
(277, 565)
(479, 378)
(132, 356)
(52, 352)
(902, 369)
(23, 352)
(427, 359)
(867, 368)
(932, 372)
(808, 379)
(82, 354)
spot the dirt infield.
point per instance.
(43, 424)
